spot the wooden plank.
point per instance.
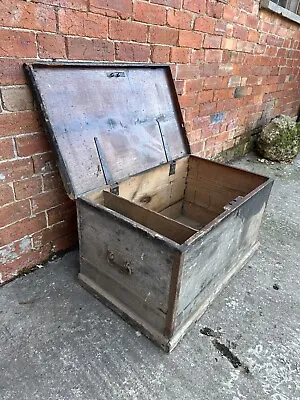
(124, 296)
(109, 246)
(183, 219)
(152, 220)
(210, 195)
(173, 211)
(197, 213)
(209, 260)
(153, 189)
(224, 175)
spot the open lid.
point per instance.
(108, 121)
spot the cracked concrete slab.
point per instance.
(60, 343)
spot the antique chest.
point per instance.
(161, 231)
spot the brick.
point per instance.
(44, 163)
(63, 212)
(242, 91)
(220, 28)
(191, 113)
(7, 149)
(205, 96)
(240, 32)
(121, 8)
(169, 3)
(51, 46)
(215, 82)
(17, 44)
(212, 55)
(274, 40)
(228, 44)
(127, 30)
(205, 24)
(180, 55)
(72, 22)
(27, 15)
(22, 228)
(48, 200)
(13, 212)
(75, 4)
(197, 56)
(179, 85)
(241, 18)
(52, 181)
(32, 144)
(194, 5)
(214, 9)
(17, 98)
(150, 13)
(193, 40)
(229, 13)
(210, 69)
(252, 21)
(188, 100)
(222, 137)
(179, 19)
(11, 71)
(223, 94)
(244, 46)
(194, 85)
(90, 49)
(234, 81)
(6, 194)
(21, 122)
(162, 35)
(56, 231)
(207, 109)
(28, 188)
(197, 148)
(132, 52)
(246, 5)
(212, 41)
(12, 251)
(15, 169)
(188, 71)
(28, 260)
(160, 54)
(65, 242)
(253, 36)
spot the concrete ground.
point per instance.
(58, 342)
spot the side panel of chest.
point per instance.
(213, 259)
(125, 265)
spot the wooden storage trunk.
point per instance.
(161, 231)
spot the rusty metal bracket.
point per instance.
(114, 189)
(172, 167)
(167, 149)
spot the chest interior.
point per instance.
(178, 206)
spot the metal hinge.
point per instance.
(172, 167)
(114, 189)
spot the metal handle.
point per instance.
(123, 267)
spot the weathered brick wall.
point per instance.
(235, 67)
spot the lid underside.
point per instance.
(109, 122)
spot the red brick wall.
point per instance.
(235, 67)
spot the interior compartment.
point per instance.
(177, 206)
